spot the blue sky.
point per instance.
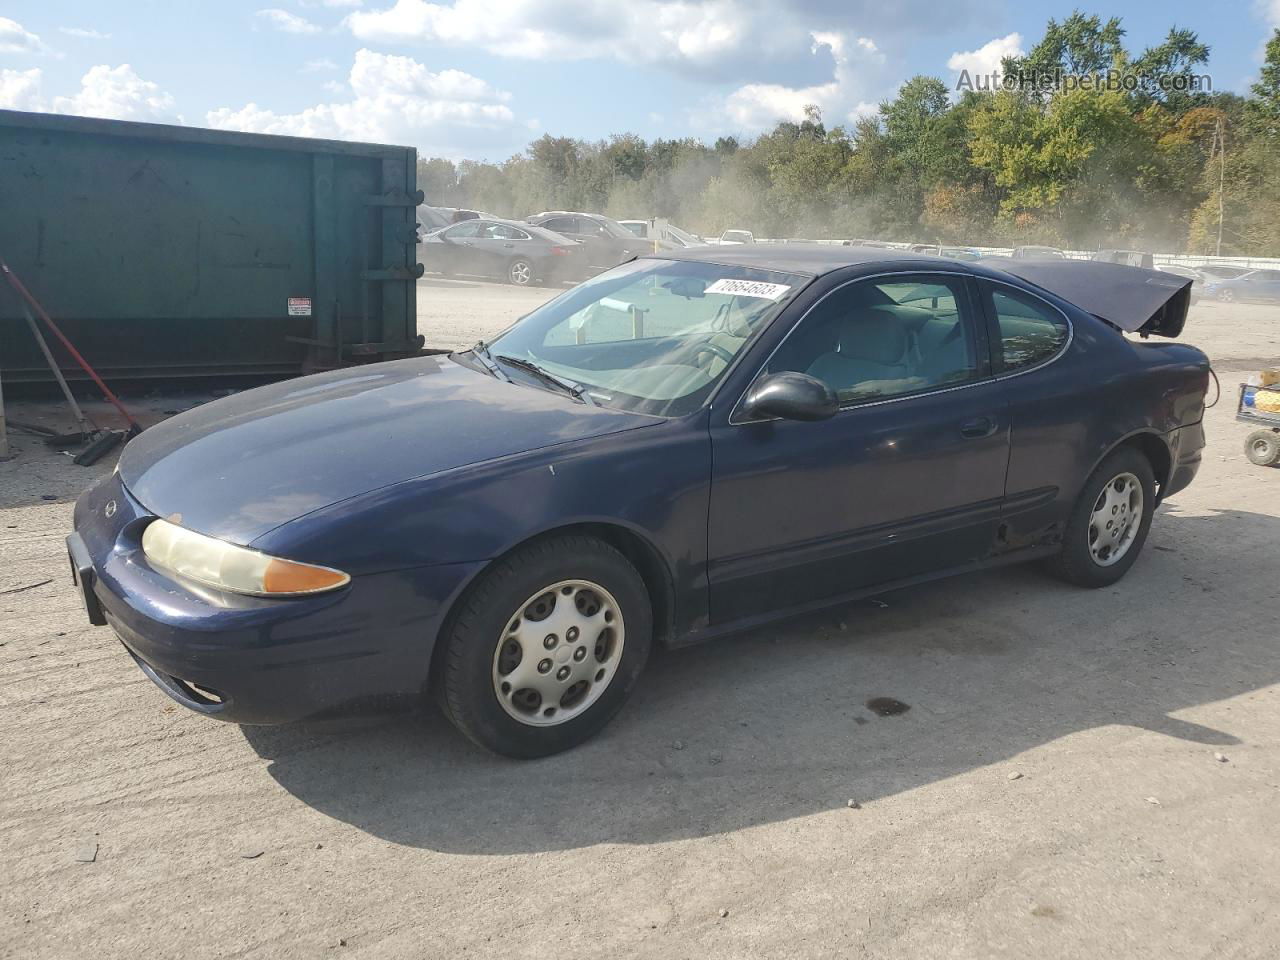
(481, 78)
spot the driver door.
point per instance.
(907, 478)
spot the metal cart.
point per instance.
(1262, 446)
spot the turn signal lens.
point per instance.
(227, 566)
(286, 576)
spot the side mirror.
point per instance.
(791, 396)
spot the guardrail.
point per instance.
(1169, 259)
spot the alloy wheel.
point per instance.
(520, 273)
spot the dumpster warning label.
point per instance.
(299, 306)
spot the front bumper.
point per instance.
(252, 659)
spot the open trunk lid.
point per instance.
(1135, 299)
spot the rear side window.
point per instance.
(561, 224)
(468, 228)
(1030, 331)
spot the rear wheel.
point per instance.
(1109, 522)
(545, 648)
(520, 272)
(1262, 447)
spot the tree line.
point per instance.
(1157, 163)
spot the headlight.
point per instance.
(225, 566)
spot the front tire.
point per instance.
(1227, 296)
(546, 646)
(1109, 523)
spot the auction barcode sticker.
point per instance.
(749, 288)
(299, 306)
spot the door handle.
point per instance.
(508, 245)
(978, 427)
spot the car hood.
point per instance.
(241, 466)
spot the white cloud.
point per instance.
(113, 93)
(1269, 11)
(20, 89)
(986, 60)
(15, 38)
(119, 94)
(319, 66)
(757, 106)
(394, 100)
(287, 22)
(84, 33)
(704, 37)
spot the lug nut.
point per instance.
(544, 666)
(571, 634)
(580, 654)
(549, 641)
(562, 673)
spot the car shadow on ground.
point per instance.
(773, 725)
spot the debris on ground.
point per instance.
(677, 745)
(252, 852)
(1153, 800)
(1015, 775)
(87, 852)
(853, 804)
(1220, 757)
(29, 586)
(723, 913)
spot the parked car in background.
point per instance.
(1032, 252)
(519, 253)
(678, 239)
(876, 244)
(688, 445)
(732, 237)
(1196, 278)
(1132, 258)
(932, 248)
(607, 242)
(960, 253)
(1215, 271)
(1256, 286)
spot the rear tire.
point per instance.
(1109, 523)
(520, 273)
(546, 646)
(1262, 447)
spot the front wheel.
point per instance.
(1109, 523)
(546, 646)
(1227, 296)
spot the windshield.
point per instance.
(683, 236)
(651, 336)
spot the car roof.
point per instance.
(807, 259)
(569, 213)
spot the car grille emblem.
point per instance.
(110, 510)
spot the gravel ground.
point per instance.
(1079, 773)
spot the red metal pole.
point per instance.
(84, 364)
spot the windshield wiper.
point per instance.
(481, 352)
(575, 390)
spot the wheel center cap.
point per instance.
(564, 653)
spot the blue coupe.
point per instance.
(686, 445)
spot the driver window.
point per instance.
(873, 340)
